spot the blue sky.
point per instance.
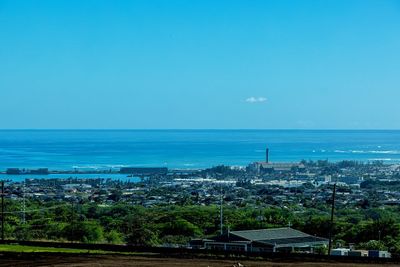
(200, 64)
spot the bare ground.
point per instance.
(60, 260)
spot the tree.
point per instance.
(181, 227)
(113, 237)
(23, 232)
(317, 226)
(372, 245)
(142, 236)
(115, 195)
(84, 231)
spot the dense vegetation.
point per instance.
(373, 228)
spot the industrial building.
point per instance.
(266, 166)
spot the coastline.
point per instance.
(102, 150)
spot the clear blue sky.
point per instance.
(200, 64)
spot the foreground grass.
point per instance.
(28, 249)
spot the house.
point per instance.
(265, 240)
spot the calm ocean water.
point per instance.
(103, 149)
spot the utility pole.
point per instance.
(221, 212)
(331, 224)
(23, 204)
(72, 221)
(2, 211)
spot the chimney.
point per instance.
(267, 155)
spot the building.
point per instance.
(340, 252)
(379, 254)
(268, 167)
(265, 240)
(360, 253)
(262, 167)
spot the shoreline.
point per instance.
(113, 171)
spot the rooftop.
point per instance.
(269, 234)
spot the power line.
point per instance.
(40, 219)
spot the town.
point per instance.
(305, 184)
(284, 196)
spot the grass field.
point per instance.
(29, 249)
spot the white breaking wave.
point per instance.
(116, 166)
(392, 152)
(87, 167)
(100, 166)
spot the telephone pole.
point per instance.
(2, 211)
(23, 204)
(72, 221)
(221, 215)
(331, 224)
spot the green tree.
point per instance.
(373, 245)
(181, 227)
(113, 237)
(142, 237)
(85, 231)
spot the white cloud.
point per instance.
(253, 99)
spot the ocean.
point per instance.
(189, 149)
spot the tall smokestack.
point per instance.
(267, 155)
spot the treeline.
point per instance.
(342, 163)
(372, 228)
(377, 184)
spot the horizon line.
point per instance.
(197, 129)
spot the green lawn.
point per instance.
(20, 248)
